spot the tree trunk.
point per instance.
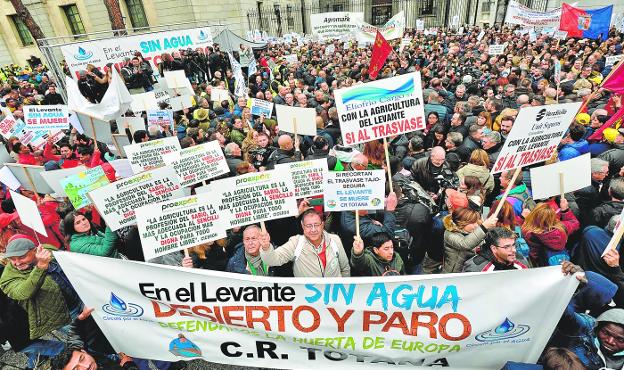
(115, 17)
(24, 15)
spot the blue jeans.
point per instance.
(41, 349)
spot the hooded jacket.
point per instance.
(482, 173)
(459, 245)
(573, 150)
(370, 264)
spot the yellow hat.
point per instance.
(583, 119)
(610, 134)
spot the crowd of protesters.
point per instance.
(438, 219)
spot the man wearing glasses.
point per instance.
(316, 253)
(498, 253)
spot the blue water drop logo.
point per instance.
(202, 35)
(81, 51)
(505, 327)
(83, 54)
(117, 302)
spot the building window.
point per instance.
(485, 7)
(74, 20)
(22, 31)
(137, 13)
(427, 7)
(338, 7)
(381, 12)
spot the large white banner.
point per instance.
(329, 323)
(393, 29)
(535, 135)
(151, 45)
(336, 24)
(520, 14)
(379, 109)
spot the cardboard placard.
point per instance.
(535, 136)
(219, 95)
(179, 224)
(96, 128)
(161, 118)
(307, 176)
(148, 155)
(613, 59)
(28, 212)
(576, 175)
(8, 179)
(30, 177)
(198, 163)
(134, 124)
(8, 126)
(305, 119)
(143, 102)
(120, 141)
(78, 185)
(379, 109)
(118, 201)
(354, 190)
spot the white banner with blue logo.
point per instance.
(471, 321)
(151, 45)
(378, 109)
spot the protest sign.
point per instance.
(295, 119)
(178, 224)
(291, 58)
(115, 50)
(545, 180)
(148, 155)
(9, 126)
(307, 176)
(8, 179)
(46, 117)
(256, 197)
(118, 201)
(536, 136)
(77, 186)
(532, 35)
(53, 178)
(496, 49)
(134, 124)
(613, 59)
(161, 118)
(420, 25)
(519, 14)
(354, 190)
(198, 163)
(335, 24)
(560, 35)
(179, 103)
(30, 177)
(40, 138)
(176, 79)
(143, 102)
(28, 212)
(75, 123)
(348, 323)
(330, 49)
(393, 29)
(219, 95)
(480, 35)
(95, 128)
(122, 168)
(161, 96)
(260, 107)
(379, 109)
(120, 141)
(404, 43)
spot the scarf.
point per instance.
(255, 265)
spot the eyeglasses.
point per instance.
(312, 226)
(507, 247)
(250, 239)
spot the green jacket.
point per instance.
(369, 264)
(237, 136)
(39, 295)
(100, 244)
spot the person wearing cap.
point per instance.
(583, 119)
(36, 281)
(464, 231)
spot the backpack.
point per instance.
(415, 193)
(402, 240)
(526, 199)
(521, 245)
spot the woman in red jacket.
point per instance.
(547, 232)
(25, 155)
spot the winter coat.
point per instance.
(367, 226)
(41, 297)
(98, 244)
(482, 173)
(573, 150)
(238, 262)
(552, 240)
(587, 199)
(466, 148)
(237, 136)
(484, 261)
(306, 262)
(422, 175)
(603, 213)
(459, 245)
(615, 157)
(519, 198)
(370, 264)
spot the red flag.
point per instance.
(610, 123)
(615, 80)
(381, 50)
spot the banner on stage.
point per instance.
(379, 109)
(335, 24)
(118, 202)
(536, 135)
(330, 323)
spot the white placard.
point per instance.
(535, 135)
(96, 129)
(134, 124)
(307, 176)
(179, 103)
(120, 141)
(259, 107)
(219, 95)
(335, 24)
(5, 157)
(179, 224)
(176, 79)
(117, 202)
(354, 190)
(143, 102)
(46, 117)
(122, 168)
(304, 118)
(148, 155)
(519, 14)
(576, 175)
(198, 163)
(379, 109)
(612, 59)
(496, 49)
(420, 25)
(560, 35)
(8, 179)
(30, 177)
(291, 58)
(28, 213)
(75, 123)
